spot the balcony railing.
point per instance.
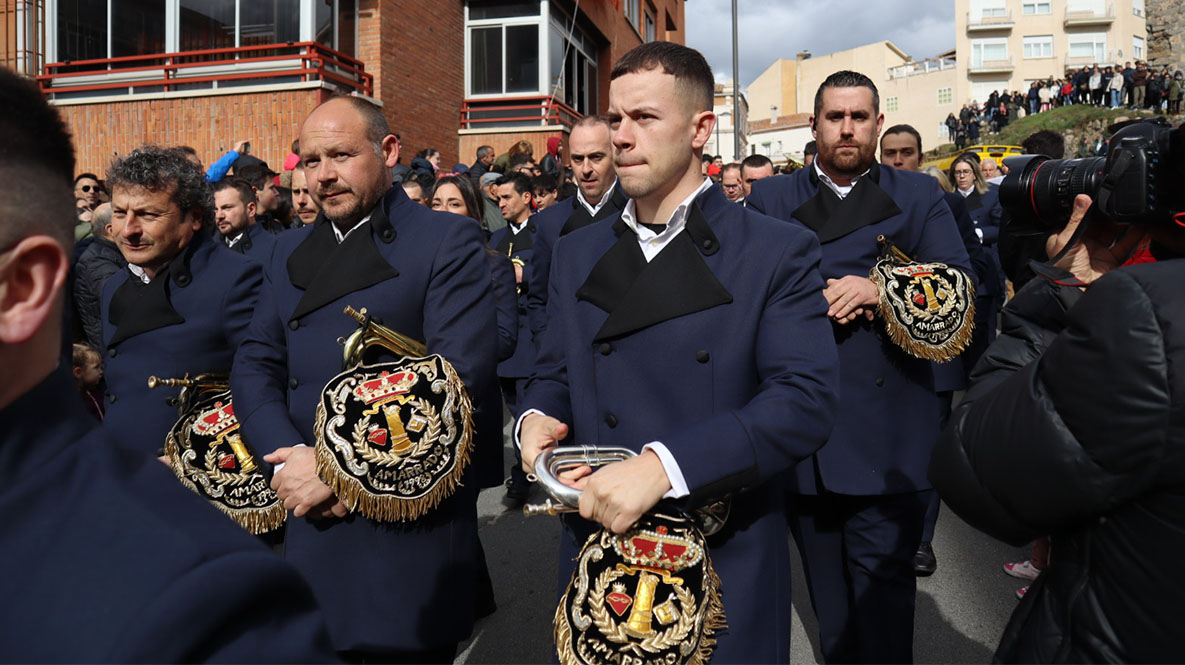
(508, 112)
(977, 22)
(1100, 16)
(205, 70)
(991, 66)
(1108, 58)
(921, 67)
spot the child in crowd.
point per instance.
(88, 372)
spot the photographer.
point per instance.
(1072, 428)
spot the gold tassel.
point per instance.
(562, 634)
(941, 354)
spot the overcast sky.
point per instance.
(772, 29)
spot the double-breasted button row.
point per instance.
(293, 324)
(605, 348)
(292, 384)
(611, 420)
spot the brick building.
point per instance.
(449, 74)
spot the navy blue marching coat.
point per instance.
(110, 560)
(886, 449)
(383, 587)
(256, 243)
(552, 223)
(519, 246)
(190, 318)
(986, 212)
(720, 349)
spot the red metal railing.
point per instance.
(517, 111)
(310, 61)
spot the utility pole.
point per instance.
(736, 91)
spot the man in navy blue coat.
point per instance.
(183, 304)
(983, 204)
(857, 506)
(108, 557)
(590, 154)
(693, 331)
(390, 591)
(235, 206)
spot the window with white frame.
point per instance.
(994, 49)
(1137, 47)
(946, 96)
(1138, 7)
(1035, 7)
(573, 64)
(891, 104)
(1085, 6)
(1088, 46)
(503, 47)
(988, 9)
(982, 90)
(1038, 46)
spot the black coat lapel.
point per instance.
(675, 283)
(833, 218)
(581, 218)
(512, 242)
(327, 271)
(138, 308)
(973, 200)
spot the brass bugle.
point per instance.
(551, 462)
(371, 333)
(898, 254)
(201, 380)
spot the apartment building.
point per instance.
(1008, 44)
(448, 74)
(723, 138)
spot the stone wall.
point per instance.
(1166, 33)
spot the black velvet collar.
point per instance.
(581, 218)
(138, 308)
(512, 243)
(974, 200)
(326, 271)
(832, 217)
(677, 282)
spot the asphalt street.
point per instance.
(961, 609)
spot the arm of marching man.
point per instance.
(792, 412)
(259, 380)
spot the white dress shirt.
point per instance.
(651, 243)
(234, 241)
(139, 273)
(594, 209)
(341, 237)
(841, 191)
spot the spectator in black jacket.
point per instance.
(99, 261)
(1072, 429)
(485, 157)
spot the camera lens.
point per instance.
(1043, 189)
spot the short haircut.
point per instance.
(593, 121)
(756, 162)
(100, 220)
(37, 171)
(82, 352)
(731, 166)
(485, 151)
(1045, 142)
(376, 124)
(811, 148)
(468, 190)
(545, 182)
(518, 160)
(165, 170)
(522, 184)
(904, 129)
(707, 158)
(692, 73)
(255, 175)
(847, 79)
(414, 182)
(245, 189)
(84, 176)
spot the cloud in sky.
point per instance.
(772, 29)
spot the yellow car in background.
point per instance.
(996, 152)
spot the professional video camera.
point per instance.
(1139, 181)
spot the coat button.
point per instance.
(111, 352)
(292, 384)
(293, 324)
(880, 382)
(702, 356)
(184, 280)
(111, 398)
(605, 348)
(707, 243)
(611, 421)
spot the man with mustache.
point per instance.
(692, 331)
(858, 504)
(183, 304)
(391, 591)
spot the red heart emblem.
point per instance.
(226, 462)
(919, 299)
(619, 602)
(378, 437)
